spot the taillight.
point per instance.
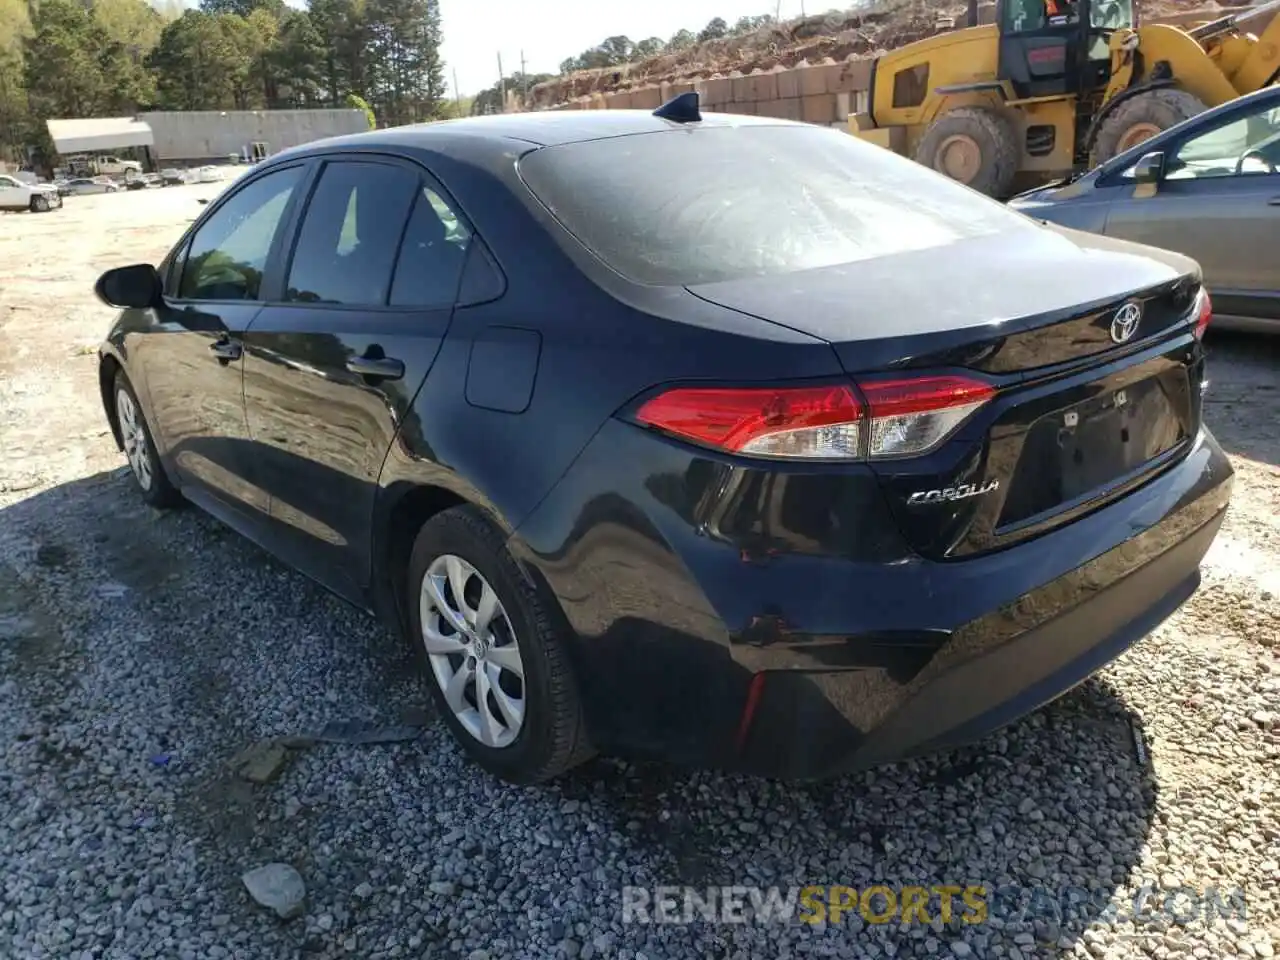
(806, 422)
(899, 418)
(1205, 313)
(910, 417)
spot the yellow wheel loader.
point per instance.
(1053, 87)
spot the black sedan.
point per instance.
(733, 441)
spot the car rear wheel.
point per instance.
(140, 449)
(496, 665)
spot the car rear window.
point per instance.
(703, 205)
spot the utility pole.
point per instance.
(457, 94)
(502, 86)
(524, 84)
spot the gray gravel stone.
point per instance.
(278, 887)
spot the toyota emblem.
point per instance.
(1125, 323)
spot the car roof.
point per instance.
(538, 129)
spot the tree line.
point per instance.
(98, 58)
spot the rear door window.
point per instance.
(431, 257)
(347, 244)
(697, 206)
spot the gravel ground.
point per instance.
(140, 653)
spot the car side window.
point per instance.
(1245, 146)
(228, 254)
(430, 263)
(347, 244)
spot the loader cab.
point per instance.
(1058, 47)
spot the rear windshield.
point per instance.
(694, 206)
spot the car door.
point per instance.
(193, 357)
(333, 363)
(13, 195)
(1218, 202)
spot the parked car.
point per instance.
(103, 166)
(63, 186)
(82, 186)
(735, 441)
(16, 194)
(1208, 187)
(172, 177)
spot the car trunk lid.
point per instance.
(1088, 344)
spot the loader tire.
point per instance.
(977, 147)
(1141, 117)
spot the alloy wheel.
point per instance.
(134, 436)
(473, 652)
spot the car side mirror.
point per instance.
(137, 286)
(1150, 169)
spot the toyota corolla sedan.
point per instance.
(722, 439)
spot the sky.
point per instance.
(549, 31)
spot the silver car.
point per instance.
(81, 186)
(1208, 188)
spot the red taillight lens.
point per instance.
(902, 418)
(1205, 313)
(807, 422)
(910, 417)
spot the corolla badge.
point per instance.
(961, 491)
(1125, 323)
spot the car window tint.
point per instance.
(347, 244)
(723, 203)
(430, 262)
(1224, 150)
(229, 252)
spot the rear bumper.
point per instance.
(980, 680)
(695, 642)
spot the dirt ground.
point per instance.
(1204, 690)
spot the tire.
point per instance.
(550, 737)
(1156, 109)
(39, 203)
(996, 142)
(140, 449)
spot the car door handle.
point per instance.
(225, 350)
(383, 368)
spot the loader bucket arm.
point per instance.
(1261, 66)
(1193, 69)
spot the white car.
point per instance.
(36, 197)
(85, 185)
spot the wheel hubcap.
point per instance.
(135, 439)
(472, 650)
(960, 157)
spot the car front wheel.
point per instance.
(140, 449)
(39, 203)
(496, 665)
